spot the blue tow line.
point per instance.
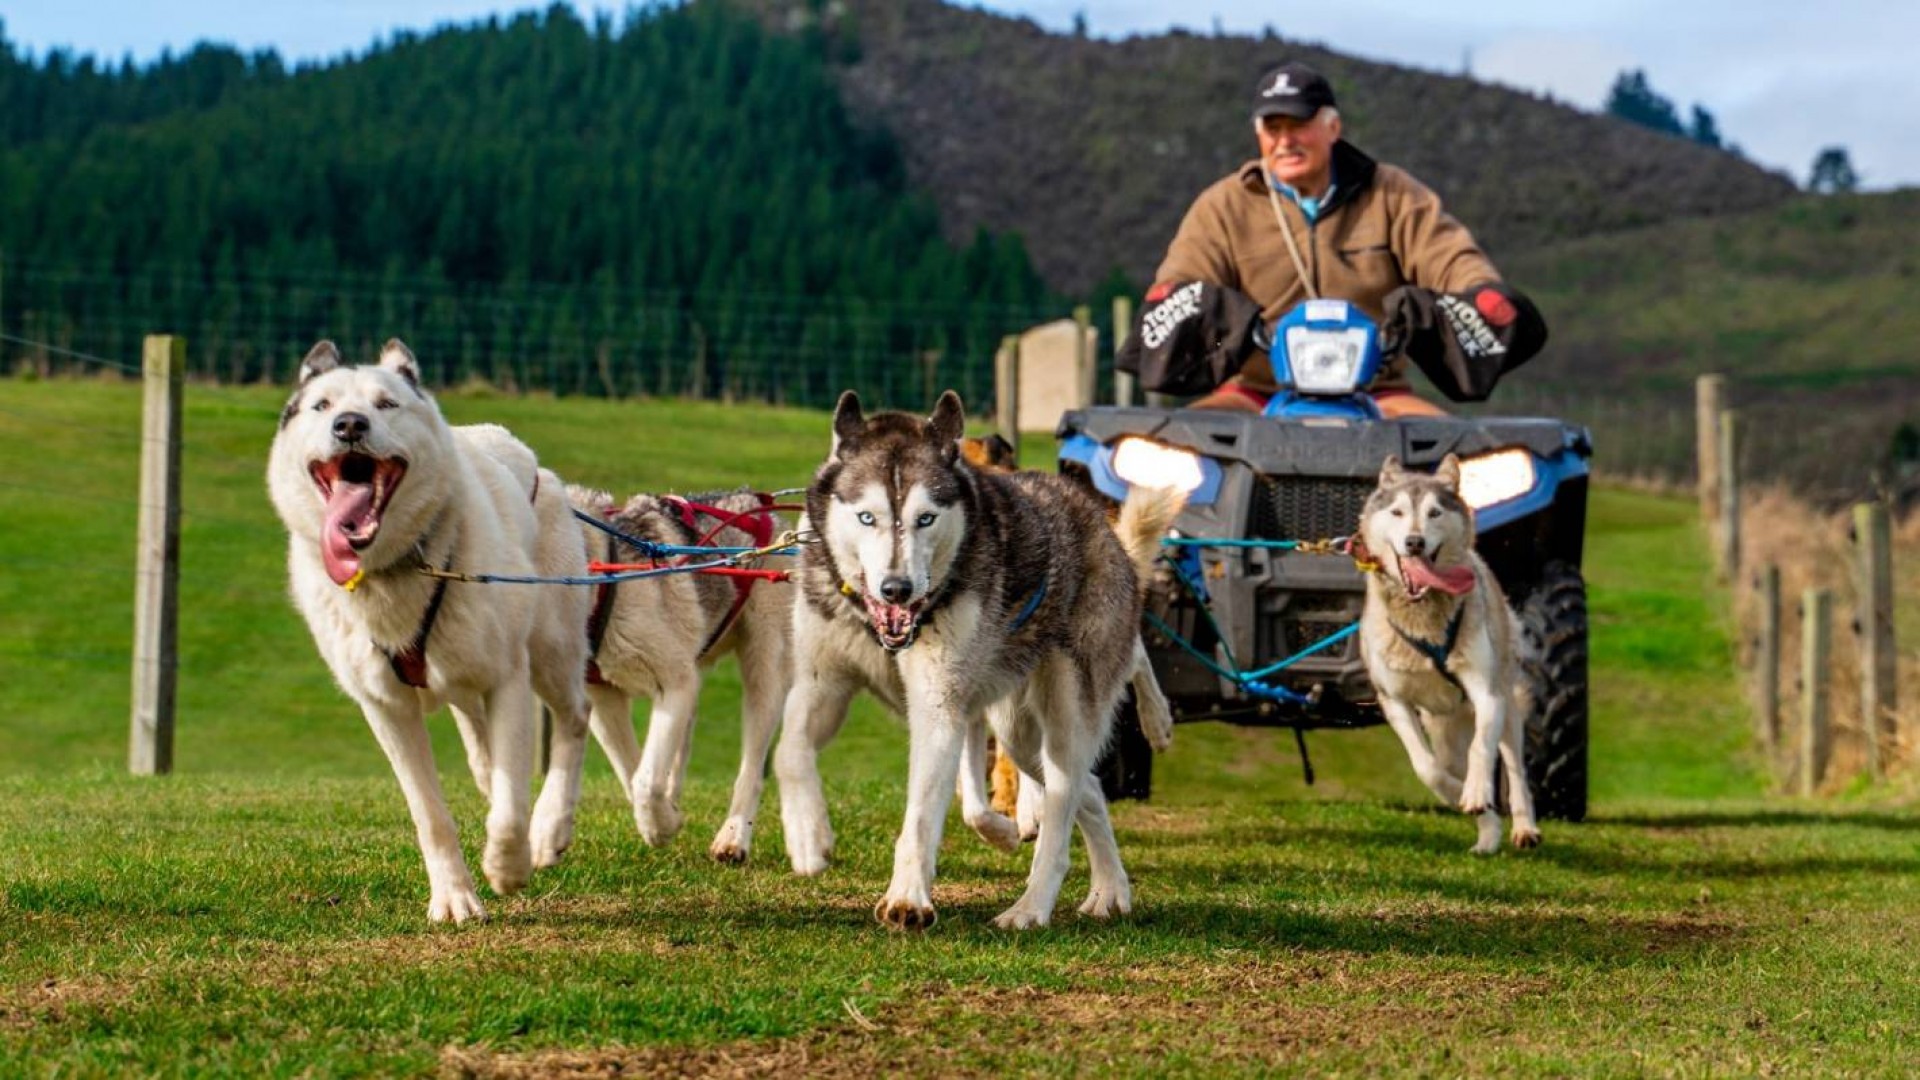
(654, 549)
(1251, 681)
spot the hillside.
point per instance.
(1091, 150)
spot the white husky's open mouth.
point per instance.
(896, 625)
(1418, 575)
(356, 488)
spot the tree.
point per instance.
(1833, 173)
(1634, 100)
(1703, 130)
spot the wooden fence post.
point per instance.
(157, 577)
(1873, 621)
(1816, 631)
(1006, 389)
(1086, 366)
(1125, 386)
(1729, 508)
(1767, 663)
(1709, 398)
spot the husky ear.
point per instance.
(1391, 470)
(847, 421)
(1449, 471)
(949, 420)
(397, 358)
(322, 358)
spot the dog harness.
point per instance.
(757, 523)
(603, 596)
(410, 664)
(1438, 652)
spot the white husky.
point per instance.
(374, 488)
(1440, 641)
(949, 592)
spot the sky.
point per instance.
(1782, 79)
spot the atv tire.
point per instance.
(1125, 768)
(1553, 619)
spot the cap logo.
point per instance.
(1281, 87)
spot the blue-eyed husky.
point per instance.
(949, 592)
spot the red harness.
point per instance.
(757, 523)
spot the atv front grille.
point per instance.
(1305, 507)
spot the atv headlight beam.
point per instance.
(1145, 463)
(1489, 479)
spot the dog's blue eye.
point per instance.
(925, 519)
(866, 517)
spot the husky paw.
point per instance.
(1108, 899)
(996, 829)
(731, 843)
(508, 864)
(1524, 838)
(658, 818)
(457, 905)
(552, 836)
(905, 914)
(1022, 916)
(810, 848)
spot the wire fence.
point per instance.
(595, 339)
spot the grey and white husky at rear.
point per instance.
(1443, 649)
(949, 592)
(651, 638)
(374, 488)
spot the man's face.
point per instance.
(1299, 153)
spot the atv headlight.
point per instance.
(1144, 463)
(1325, 361)
(1496, 477)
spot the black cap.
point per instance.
(1292, 89)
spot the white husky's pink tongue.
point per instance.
(350, 519)
(1454, 580)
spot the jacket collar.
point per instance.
(1351, 165)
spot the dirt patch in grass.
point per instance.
(1235, 1009)
(51, 1000)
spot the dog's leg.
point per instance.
(763, 669)
(560, 791)
(935, 732)
(612, 724)
(508, 861)
(816, 707)
(1513, 753)
(473, 736)
(1058, 807)
(656, 782)
(1004, 782)
(402, 733)
(1401, 718)
(1026, 810)
(976, 803)
(1156, 716)
(1489, 723)
(1452, 739)
(1110, 893)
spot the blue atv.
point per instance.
(1253, 620)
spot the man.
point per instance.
(1315, 217)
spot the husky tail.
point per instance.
(1144, 518)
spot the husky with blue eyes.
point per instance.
(951, 593)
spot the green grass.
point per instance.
(262, 912)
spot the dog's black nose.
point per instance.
(895, 590)
(1416, 544)
(351, 427)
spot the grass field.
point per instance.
(262, 911)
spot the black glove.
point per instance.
(1464, 341)
(1190, 337)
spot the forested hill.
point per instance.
(690, 183)
(1092, 149)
